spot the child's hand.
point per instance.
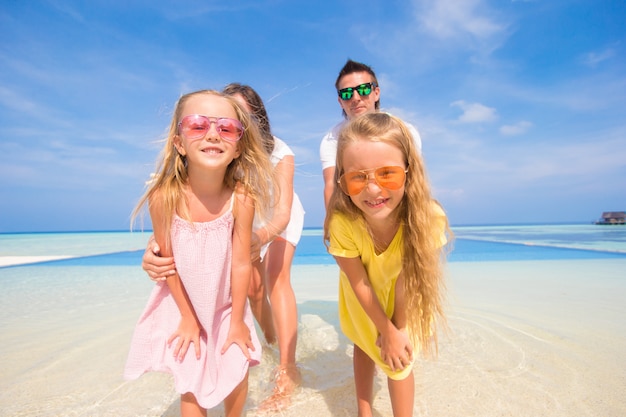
(239, 334)
(188, 332)
(395, 348)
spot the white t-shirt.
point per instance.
(328, 147)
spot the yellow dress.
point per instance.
(350, 239)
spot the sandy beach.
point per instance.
(526, 338)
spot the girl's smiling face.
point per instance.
(210, 149)
(376, 203)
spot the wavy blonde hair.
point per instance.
(251, 173)
(419, 217)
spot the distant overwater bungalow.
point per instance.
(612, 217)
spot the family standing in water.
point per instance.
(223, 174)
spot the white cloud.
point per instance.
(592, 59)
(14, 102)
(445, 19)
(67, 10)
(475, 112)
(516, 129)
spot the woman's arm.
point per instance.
(395, 345)
(189, 328)
(283, 173)
(241, 270)
(157, 267)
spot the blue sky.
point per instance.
(520, 104)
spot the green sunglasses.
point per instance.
(363, 90)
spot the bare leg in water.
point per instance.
(285, 319)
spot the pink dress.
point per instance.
(203, 254)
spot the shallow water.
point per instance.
(534, 329)
(472, 243)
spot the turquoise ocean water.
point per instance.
(472, 243)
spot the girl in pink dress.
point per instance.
(211, 175)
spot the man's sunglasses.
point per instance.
(363, 90)
(196, 126)
(391, 178)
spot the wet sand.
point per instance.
(528, 338)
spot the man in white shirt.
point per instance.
(358, 93)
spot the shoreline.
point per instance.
(28, 260)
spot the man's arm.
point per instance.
(329, 184)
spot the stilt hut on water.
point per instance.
(613, 217)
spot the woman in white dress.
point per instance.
(271, 295)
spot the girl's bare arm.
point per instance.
(189, 328)
(239, 333)
(393, 342)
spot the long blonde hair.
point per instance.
(251, 173)
(419, 216)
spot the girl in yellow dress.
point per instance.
(387, 235)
